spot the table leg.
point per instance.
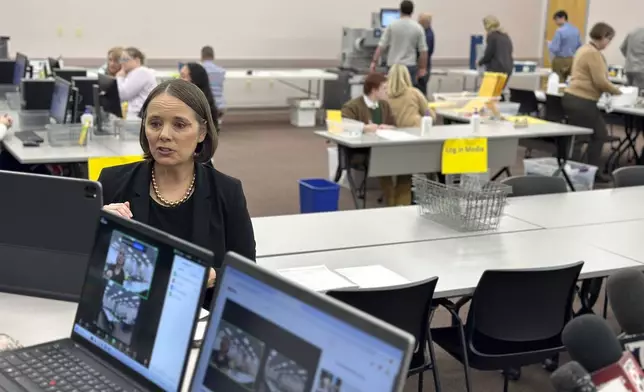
(505, 170)
(562, 157)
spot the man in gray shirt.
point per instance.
(633, 49)
(405, 41)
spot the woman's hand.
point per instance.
(212, 277)
(385, 126)
(120, 73)
(6, 120)
(120, 209)
(371, 127)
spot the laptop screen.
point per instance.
(263, 339)
(139, 302)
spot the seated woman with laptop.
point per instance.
(171, 189)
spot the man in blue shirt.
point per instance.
(216, 75)
(425, 20)
(563, 46)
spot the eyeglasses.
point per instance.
(124, 59)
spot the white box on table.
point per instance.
(303, 112)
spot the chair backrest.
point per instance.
(554, 109)
(535, 185)
(523, 305)
(526, 99)
(628, 176)
(406, 307)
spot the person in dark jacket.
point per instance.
(171, 189)
(425, 20)
(498, 49)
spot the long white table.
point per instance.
(304, 233)
(459, 262)
(579, 208)
(423, 153)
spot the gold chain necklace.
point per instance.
(168, 203)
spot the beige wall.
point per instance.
(246, 29)
(623, 15)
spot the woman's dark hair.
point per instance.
(192, 96)
(373, 82)
(136, 54)
(199, 78)
(602, 30)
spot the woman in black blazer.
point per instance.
(172, 189)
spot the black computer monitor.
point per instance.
(110, 100)
(60, 100)
(20, 68)
(52, 64)
(6, 71)
(69, 73)
(388, 15)
(85, 85)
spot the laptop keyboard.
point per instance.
(54, 368)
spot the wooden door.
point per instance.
(577, 15)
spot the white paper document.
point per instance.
(372, 276)
(395, 135)
(317, 278)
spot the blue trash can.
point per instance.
(318, 195)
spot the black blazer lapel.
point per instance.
(202, 207)
(140, 202)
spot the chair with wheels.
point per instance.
(515, 319)
(628, 176)
(535, 185)
(407, 307)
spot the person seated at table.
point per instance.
(171, 189)
(5, 123)
(135, 80)
(498, 48)
(588, 81)
(216, 77)
(373, 109)
(408, 104)
(113, 64)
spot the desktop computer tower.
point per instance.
(6, 71)
(36, 94)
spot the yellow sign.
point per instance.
(96, 165)
(462, 156)
(334, 121)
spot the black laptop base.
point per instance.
(60, 366)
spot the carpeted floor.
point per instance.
(270, 157)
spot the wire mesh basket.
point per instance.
(465, 202)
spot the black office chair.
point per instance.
(554, 109)
(515, 319)
(628, 176)
(535, 185)
(528, 104)
(407, 307)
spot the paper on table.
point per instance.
(395, 135)
(317, 278)
(372, 276)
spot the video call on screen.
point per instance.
(121, 306)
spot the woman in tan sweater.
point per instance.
(407, 103)
(588, 81)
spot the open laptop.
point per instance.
(47, 230)
(268, 334)
(135, 319)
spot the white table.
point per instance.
(620, 238)
(459, 262)
(423, 153)
(579, 208)
(467, 72)
(294, 234)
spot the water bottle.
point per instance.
(426, 124)
(87, 124)
(553, 84)
(476, 121)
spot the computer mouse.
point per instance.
(30, 143)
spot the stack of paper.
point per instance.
(395, 135)
(372, 276)
(317, 278)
